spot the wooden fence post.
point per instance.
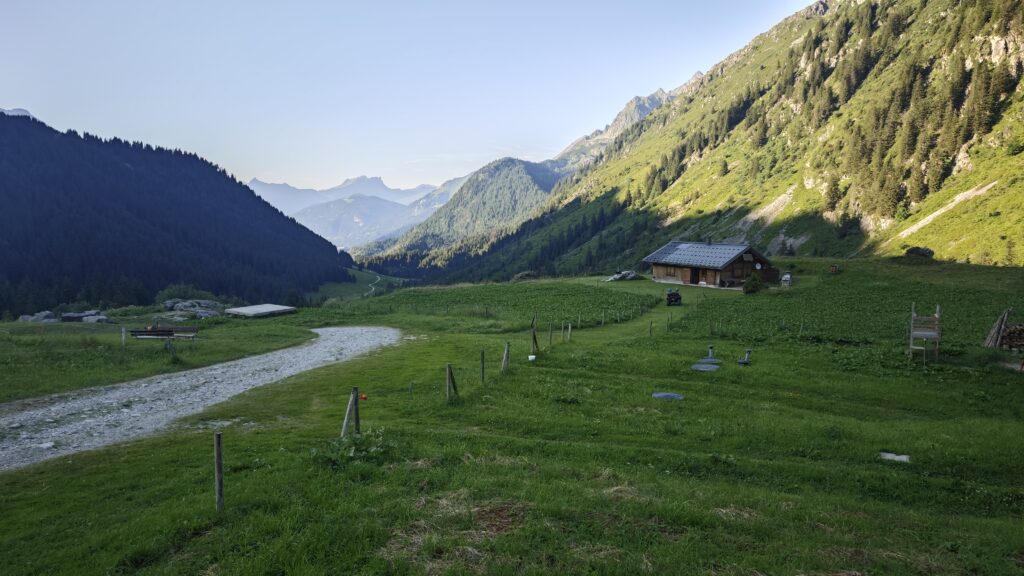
(218, 472)
(349, 419)
(505, 357)
(602, 317)
(355, 407)
(650, 329)
(451, 390)
(124, 337)
(579, 319)
(534, 347)
(570, 332)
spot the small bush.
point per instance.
(371, 447)
(133, 310)
(753, 284)
(1015, 146)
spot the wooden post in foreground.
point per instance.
(218, 472)
(124, 337)
(534, 347)
(355, 407)
(451, 391)
(650, 329)
(505, 357)
(351, 413)
(570, 332)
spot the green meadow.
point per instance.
(565, 464)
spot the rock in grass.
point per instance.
(894, 457)
(98, 319)
(920, 252)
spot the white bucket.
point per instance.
(531, 357)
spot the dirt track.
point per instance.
(38, 429)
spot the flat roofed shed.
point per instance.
(260, 310)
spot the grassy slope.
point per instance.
(347, 290)
(37, 359)
(568, 465)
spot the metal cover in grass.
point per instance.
(705, 367)
(667, 396)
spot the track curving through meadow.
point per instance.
(37, 429)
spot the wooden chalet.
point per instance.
(705, 263)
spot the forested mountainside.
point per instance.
(497, 199)
(849, 128)
(110, 222)
(489, 205)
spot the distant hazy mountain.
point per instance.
(285, 198)
(420, 210)
(356, 219)
(374, 186)
(290, 200)
(360, 219)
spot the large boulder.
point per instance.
(920, 251)
(624, 275)
(525, 275)
(170, 304)
(78, 316)
(203, 314)
(38, 317)
(97, 319)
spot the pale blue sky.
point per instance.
(315, 92)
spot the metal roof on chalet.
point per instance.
(699, 254)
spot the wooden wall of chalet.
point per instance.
(739, 270)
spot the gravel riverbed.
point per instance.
(38, 429)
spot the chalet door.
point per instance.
(694, 275)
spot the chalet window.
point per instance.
(670, 270)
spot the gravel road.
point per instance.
(37, 429)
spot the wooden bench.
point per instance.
(926, 328)
(165, 333)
